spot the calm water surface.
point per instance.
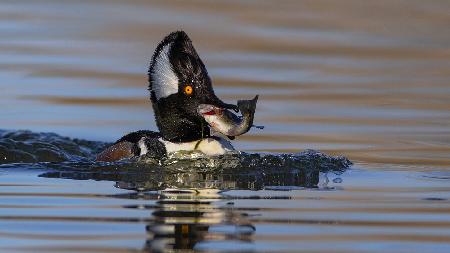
(368, 80)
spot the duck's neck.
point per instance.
(176, 126)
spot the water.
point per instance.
(368, 80)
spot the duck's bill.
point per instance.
(206, 110)
(213, 100)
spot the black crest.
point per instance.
(175, 65)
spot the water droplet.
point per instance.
(337, 180)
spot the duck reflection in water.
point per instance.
(183, 219)
(195, 206)
(195, 209)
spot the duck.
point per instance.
(178, 84)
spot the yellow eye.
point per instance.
(188, 90)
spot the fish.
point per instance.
(226, 122)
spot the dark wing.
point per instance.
(128, 146)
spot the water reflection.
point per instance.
(183, 220)
(141, 177)
(194, 210)
(191, 206)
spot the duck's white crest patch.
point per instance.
(142, 146)
(165, 81)
(208, 146)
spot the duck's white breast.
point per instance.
(208, 146)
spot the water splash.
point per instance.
(31, 147)
(62, 157)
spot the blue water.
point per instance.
(364, 80)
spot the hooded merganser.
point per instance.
(178, 85)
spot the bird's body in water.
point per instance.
(181, 93)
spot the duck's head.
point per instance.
(178, 84)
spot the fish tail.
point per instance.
(248, 106)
